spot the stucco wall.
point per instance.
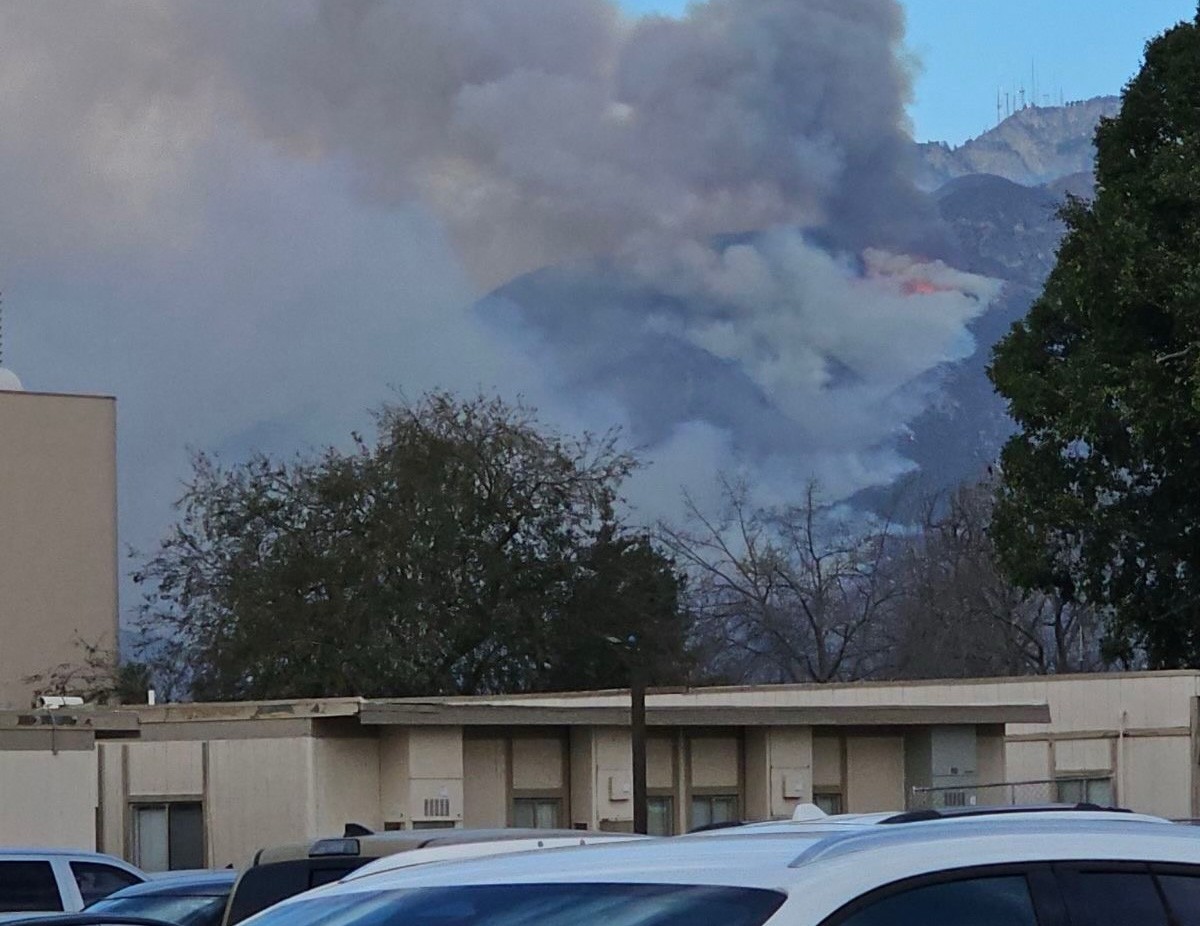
(48, 800)
(58, 534)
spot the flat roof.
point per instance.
(440, 713)
(31, 393)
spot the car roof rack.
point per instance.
(951, 813)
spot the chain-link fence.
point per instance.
(1006, 794)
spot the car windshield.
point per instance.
(534, 905)
(201, 910)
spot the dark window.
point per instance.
(536, 905)
(828, 801)
(536, 812)
(27, 886)
(96, 881)
(660, 815)
(1084, 790)
(1183, 897)
(168, 836)
(992, 901)
(265, 885)
(714, 808)
(1113, 898)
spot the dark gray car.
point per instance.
(195, 899)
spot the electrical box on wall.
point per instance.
(620, 788)
(794, 785)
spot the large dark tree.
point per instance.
(1101, 491)
(467, 550)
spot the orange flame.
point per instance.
(922, 288)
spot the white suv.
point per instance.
(58, 880)
(983, 872)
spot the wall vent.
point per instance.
(437, 806)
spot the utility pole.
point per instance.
(637, 737)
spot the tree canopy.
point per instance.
(1101, 492)
(468, 549)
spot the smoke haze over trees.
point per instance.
(249, 221)
(467, 551)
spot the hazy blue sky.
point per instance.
(969, 48)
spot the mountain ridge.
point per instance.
(1034, 146)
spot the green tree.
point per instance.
(1101, 485)
(468, 549)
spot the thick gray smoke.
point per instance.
(544, 130)
(249, 220)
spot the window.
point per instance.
(28, 887)
(989, 901)
(1182, 893)
(536, 812)
(544, 904)
(1086, 790)
(186, 910)
(1113, 898)
(660, 815)
(433, 824)
(168, 837)
(828, 801)
(714, 808)
(96, 881)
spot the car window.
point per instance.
(28, 886)
(1113, 898)
(535, 905)
(988, 901)
(182, 911)
(264, 885)
(97, 880)
(1182, 893)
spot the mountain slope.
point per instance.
(1037, 145)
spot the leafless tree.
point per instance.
(792, 594)
(960, 616)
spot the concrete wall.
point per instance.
(874, 773)
(421, 775)
(346, 783)
(58, 534)
(779, 771)
(485, 781)
(49, 799)
(256, 791)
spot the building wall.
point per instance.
(58, 534)
(874, 773)
(346, 782)
(485, 781)
(255, 791)
(49, 799)
(421, 776)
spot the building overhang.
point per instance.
(514, 713)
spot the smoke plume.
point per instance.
(250, 220)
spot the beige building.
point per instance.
(58, 533)
(208, 784)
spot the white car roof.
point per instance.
(855, 822)
(470, 850)
(825, 870)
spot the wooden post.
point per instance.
(637, 737)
